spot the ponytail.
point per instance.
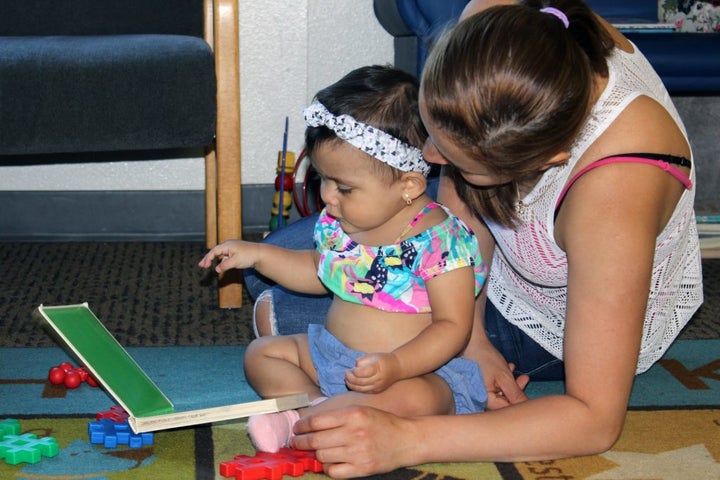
(584, 27)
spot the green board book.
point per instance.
(94, 346)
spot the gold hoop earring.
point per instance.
(408, 200)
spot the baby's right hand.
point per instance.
(232, 254)
(373, 373)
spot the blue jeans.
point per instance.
(294, 311)
(518, 348)
(333, 359)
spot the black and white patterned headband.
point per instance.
(368, 139)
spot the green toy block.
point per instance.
(27, 448)
(9, 426)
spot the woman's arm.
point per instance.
(502, 387)
(608, 227)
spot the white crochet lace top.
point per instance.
(528, 281)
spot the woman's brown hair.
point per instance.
(511, 86)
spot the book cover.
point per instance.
(80, 331)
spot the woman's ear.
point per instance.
(557, 159)
(414, 184)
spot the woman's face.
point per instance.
(440, 149)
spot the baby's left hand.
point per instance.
(373, 373)
(232, 254)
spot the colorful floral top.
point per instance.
(392, 277)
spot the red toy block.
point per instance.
(116, 414)
(271, 466)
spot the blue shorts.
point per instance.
(332, 359)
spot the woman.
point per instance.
(563, 152)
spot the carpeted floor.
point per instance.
(153, 294)
(670, 431)
(147, 294)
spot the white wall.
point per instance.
(289, 49)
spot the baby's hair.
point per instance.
(381, 96)
(512, 86)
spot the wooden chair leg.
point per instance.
(210, 199)
(227, 148)
(230, 287)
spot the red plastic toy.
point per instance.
(116, 414)
(70, 376)
(271, 466)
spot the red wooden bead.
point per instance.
(66, 366)
(91, 380)
(56, 376)
(287, 182)
(82, 372)
(72, 379)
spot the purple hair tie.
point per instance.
(558, 14)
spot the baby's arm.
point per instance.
(452, 297)
(293, 269)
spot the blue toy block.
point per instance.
(110, 434)
(27, 448)
(9, 426)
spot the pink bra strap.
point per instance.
(674, 171)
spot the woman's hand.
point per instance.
(506, 389)
(503, 388)
(357, 441)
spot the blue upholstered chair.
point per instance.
(126, 75)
